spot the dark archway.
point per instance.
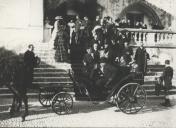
(142, 7)
(71, 8)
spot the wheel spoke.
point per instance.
(64, 103)
(135, 90)
(123, 104)
(127, 107)
(135, 107)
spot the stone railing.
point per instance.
(152, 38)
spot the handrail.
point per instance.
(146, 30)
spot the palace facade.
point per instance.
(23, 21)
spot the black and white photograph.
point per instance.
(88, 63)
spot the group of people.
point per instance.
(85, 33)
(84, 43)
(93, 49)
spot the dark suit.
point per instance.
(127, 53)
(96, 55)
(29, 63)
(167, 77)
(90, 62)
(141, 57)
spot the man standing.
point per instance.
(29, 63)
(141, 58)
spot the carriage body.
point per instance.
(126, 92)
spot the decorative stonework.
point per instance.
(115, 8)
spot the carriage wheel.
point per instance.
(45, 97)
(131, 98)
(62, 103)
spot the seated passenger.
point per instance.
(127, 53)
(88, 61)
(104, 74)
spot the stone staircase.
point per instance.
(52, 74)
(48, 74)
(149, 81)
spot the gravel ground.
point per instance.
(86, 114)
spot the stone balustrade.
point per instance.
(150, 37)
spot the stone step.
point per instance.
(152, 92)
(49, 70)
(10, 95)
(52, 79)
(154, 70)
(155, 66)
(50, 74)
(51, 84)
(5, 90)
(148, 86)
(153, 73)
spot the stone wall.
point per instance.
(21, 23)
(115, 8)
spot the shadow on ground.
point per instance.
(82, 107)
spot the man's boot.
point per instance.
(168, 104)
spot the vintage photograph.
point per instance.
(88, 63)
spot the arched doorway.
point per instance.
(70, 8)
(139, 11)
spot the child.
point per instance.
(167, 78)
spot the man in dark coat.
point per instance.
(89, 61)
(127, 53)
(141, 58)
(167, 79)
(29, 63)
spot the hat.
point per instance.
(58, 17)
(167, 61)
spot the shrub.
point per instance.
(10, 64)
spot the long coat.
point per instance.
(141, 57)
(29, 64)
(90, 62)
(167, 77)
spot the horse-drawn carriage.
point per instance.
(126, 92)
